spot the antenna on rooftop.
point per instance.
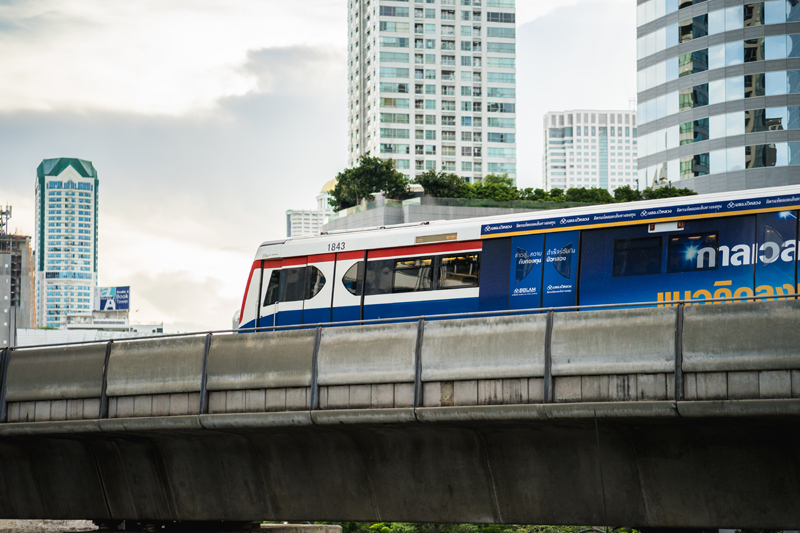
(631, 103)
(5, 215)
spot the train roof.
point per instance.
(538, 221)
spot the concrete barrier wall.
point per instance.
(63, 373)
(370, 354)
(753, 336)
(484, 348)
(261, 360)
(628, 341)
(159, 366)
(730, 352)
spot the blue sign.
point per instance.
(612, 217)
(114, 298)
(526, 272)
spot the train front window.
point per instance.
(272, 288)
(691, 253)
(459, 271)
(353, 279)
(637, 257)
(314, 282)
(293, 281)
(413, 275)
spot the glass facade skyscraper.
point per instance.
(432, 85)
(589, 148)
(718, 93)
(66, 239)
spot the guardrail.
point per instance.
(628, 352)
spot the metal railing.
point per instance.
(414, 318)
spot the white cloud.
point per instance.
(149, 56)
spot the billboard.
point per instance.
(112, 298)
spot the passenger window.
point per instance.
(293, 281)
(637, 257)
(379, 276)
(413, 275)
(272, 288)
(316, 280)
(459, 271)
(691, 253)
(353, 279)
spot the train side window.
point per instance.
(379, 276)
(412, 275)
(293, 281)
(315, 282)
(459, 271)
(353, 279)
(272, 288)
(692, 253)
(637, 257)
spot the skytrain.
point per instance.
(724, 245)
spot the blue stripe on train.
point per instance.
(347, 313)
(427, 308)
(316, 316)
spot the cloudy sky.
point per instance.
(207, 119)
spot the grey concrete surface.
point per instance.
(493, 464)
(261, 360)
(379, 353)
(157, 366)
(66, 372)
(483, 348)
(745, 336)
(627, 341)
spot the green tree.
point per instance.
(442, 184)
(666, 192)
(592, 195)
(626, 194)
(497, 187)
(372, 175)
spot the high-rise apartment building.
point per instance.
(66, 239)
(589, 148)
(719, 93)
(309, 221)
(432, 85)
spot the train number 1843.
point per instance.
(336, 247)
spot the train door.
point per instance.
(347, 286)
(776, 253)
(494, 276)
(270, 283)
(560, 269)
(320, 276)
(291, 291)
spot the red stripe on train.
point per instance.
(256, 264)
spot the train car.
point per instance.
(689, 248)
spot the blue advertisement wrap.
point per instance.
(714, 258)
(777, 237)
(560, 281)
(613, 215)
(526, 272)
(114, 298)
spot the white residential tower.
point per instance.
(432, 85)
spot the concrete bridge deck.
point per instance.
(472, 420)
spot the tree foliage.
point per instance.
(372, 175)
(500, 187)
(442, 184)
